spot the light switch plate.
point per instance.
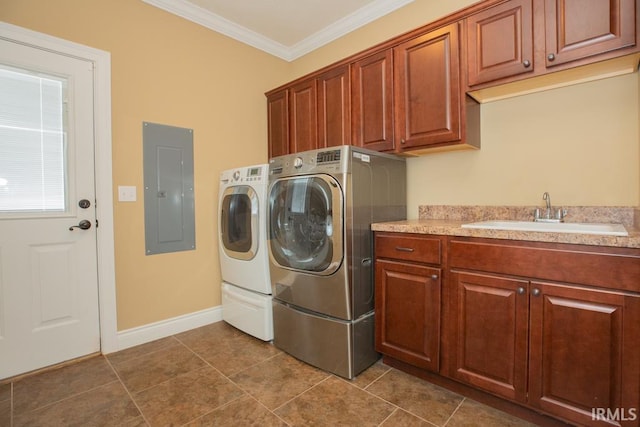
(126, 193)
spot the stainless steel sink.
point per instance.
(558, 227)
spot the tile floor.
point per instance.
(219, 376)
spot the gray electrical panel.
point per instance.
(169, 205)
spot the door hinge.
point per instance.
(97, 224)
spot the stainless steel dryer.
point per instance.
(321, 206)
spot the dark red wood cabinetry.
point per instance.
(278, 118)
(427, 89)
(500, 42)
(303, 116)
(551, 327)
(411, 94)
(490, 328)
(372, 101)
(408, 281)
(518, 39)
(334, 107)
(579, 29)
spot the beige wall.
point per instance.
(580, 143)
(166, 70)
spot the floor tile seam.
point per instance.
(273, 412)
(378, 379)
(146, 354)
(255, 364)
(389, 416)
(206, 362)
(71, 396)
(126, 389)
(214, 409)
(398, 406)
(374, 395)
(173, 378)
(302, 392)
(454, 411)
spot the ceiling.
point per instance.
(287, 29)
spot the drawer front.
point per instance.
(409, 248)
(603, 269)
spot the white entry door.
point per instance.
(48, 262)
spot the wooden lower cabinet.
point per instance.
(408, 281)
(491, 324)
(584, 352)
(550, 329)
(565, 350)
(408, 312)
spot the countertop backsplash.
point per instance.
(627, 216)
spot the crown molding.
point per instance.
(219, 24)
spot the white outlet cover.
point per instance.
(126, 193)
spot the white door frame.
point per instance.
(103, 166)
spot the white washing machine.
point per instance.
(244, 257)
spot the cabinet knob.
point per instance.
(526, 63)
(536, 292)
(434, 277)
(402, 141)
(551, 57)
(520, 290)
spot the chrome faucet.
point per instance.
(550, 215)
(547, 198)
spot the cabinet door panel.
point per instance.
(303, 116)
(372, 101)
(334, 108)
(500, 42)
(408, 313)
(491, 327)
(427, 89)
(578, 345)
(278, 118)
(578, 29)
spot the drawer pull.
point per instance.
(403, 249)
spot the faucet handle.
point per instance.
(536, 214)
(561, 213)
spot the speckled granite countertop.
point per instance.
(447, 220)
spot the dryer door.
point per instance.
(306, 223)
(239, 222)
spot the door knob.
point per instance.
(82, 225)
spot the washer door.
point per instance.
(306, 225)
(239, 222)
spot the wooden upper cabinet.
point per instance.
(577, 29)
(427, 89)
(278, 118)
(303, 116)
(372, 101)
(334, 107)
(500, 42)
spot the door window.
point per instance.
(239, 222)
(306, 223)
(32, 142)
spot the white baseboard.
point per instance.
(164, 328)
